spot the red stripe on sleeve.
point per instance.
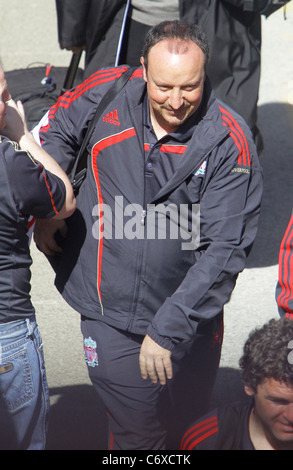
(199, 432)
(238, 135)
(65, 100)
(286, 269)
(49, 191)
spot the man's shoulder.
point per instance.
(239, 135)
(202, 432)
(222, 118)
(107, 76)
(232, 118)
(219, 429)
(224, 114)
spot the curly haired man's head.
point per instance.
(266, 354)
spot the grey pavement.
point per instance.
(29, 34)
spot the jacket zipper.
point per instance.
(138, 274)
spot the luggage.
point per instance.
(39, 87)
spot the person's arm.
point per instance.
(72, 23)
(28, 144)
(284, 288)
(249, 5)
(262, 7)
(16, 130)
(61, 133)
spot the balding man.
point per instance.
(166, 217)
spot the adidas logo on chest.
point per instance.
(112, 118)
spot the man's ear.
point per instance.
(248, 390)
(144, 69)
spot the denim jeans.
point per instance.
(24, 393)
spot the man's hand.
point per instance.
(44, 232)
(155, 361)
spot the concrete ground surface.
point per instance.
(29, 34)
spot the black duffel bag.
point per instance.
(39, 86)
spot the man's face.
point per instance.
(4, 97)
(175, 81)
(274, 410)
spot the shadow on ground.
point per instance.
(78, 420)
(276, 126)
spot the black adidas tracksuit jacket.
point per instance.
(140, 284)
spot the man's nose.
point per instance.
(176, 99)
(289, 413)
